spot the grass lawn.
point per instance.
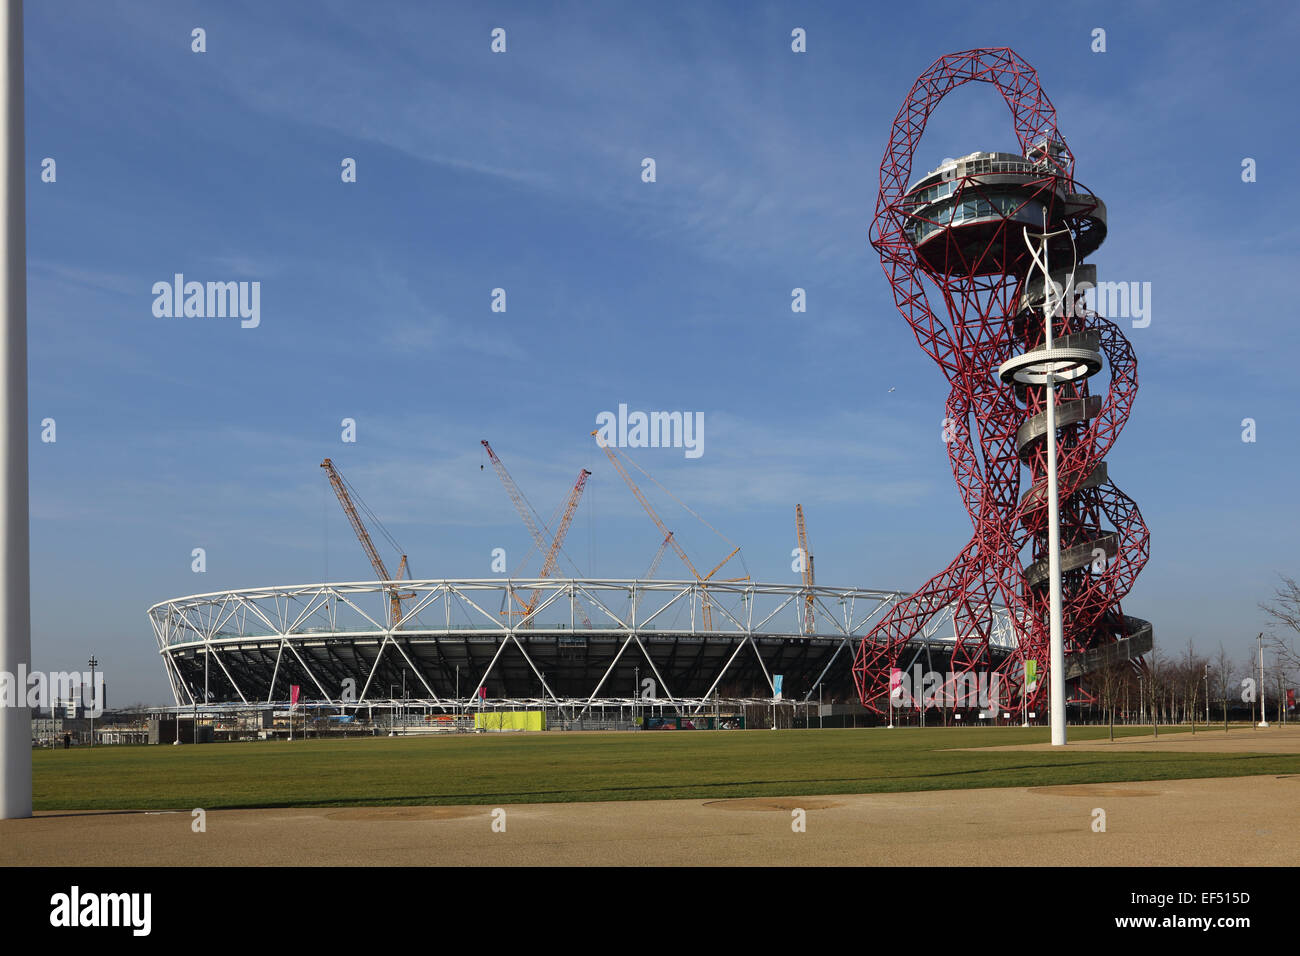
(560, 767)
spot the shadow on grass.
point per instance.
(1060, 773)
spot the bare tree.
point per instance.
(1284, 609)
(1191, 675)
(1109, 683)
(1277, 674)
(1221, 672)
(1153, 677)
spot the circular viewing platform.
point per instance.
(966, 217)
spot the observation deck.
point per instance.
(958, 214)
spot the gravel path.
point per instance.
(1243, 821)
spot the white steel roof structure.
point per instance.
(463, 641)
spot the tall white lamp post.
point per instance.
(1046, 366)
(15, 615)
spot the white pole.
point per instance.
(1024, 699)
(15, 617)
(1263, 714)
(1057, 645)
(93, 699)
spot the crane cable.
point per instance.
(688, 508)
(374, 519)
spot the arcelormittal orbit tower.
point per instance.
(964, 248)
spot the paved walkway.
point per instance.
(1243, 821)
(1275, 739)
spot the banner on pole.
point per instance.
(776, 685)
(895, 686)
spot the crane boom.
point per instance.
(516, 496)
(650, 572)
(341, 491)
(659, 556)
(551, 550)
(719, 565)
(706, 606)
(561, 530)
(376, 562)
(645, 503)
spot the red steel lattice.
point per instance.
(981, 277)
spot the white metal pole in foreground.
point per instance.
(1263, 714)
(1057, 645)
(15, 615)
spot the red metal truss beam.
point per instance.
(985, 324)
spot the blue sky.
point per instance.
(522, 171)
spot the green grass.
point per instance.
(556, 767)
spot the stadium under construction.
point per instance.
(586, 652)
(592, 652)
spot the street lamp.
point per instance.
(1046, 367)
(1057, 646)
(15, 551)
(93, 664)
(1263, 714)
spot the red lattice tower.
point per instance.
(967, 228)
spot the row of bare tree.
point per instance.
(1192, 687)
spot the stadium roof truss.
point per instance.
(315, 630)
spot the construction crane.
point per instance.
(561, 530)
(525, 510)
(344, 493)
(706, 604)
(650, 572)
(516, 496)
(809, 578)
(659, 556)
